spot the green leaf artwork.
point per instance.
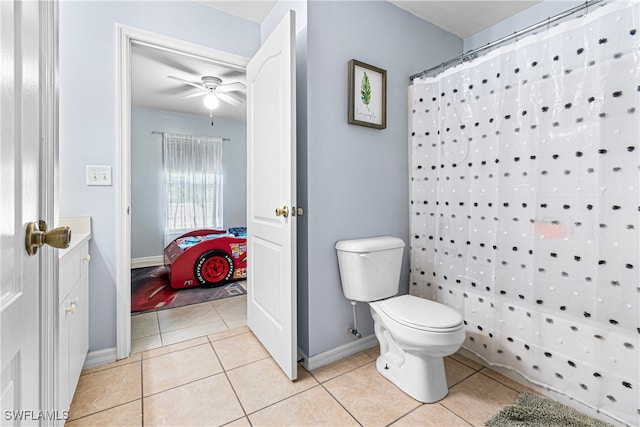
(365, 90)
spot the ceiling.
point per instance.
(460, 17)
(151, 88)
(253, 10)
(464, 18)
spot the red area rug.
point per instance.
(150, 291)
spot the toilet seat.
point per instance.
(422, 314)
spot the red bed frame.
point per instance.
(206, 258)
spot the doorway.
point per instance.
(154, 46)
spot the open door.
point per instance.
(27, 307)
(271, 178)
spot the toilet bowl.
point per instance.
(412, 354)
(415, 334)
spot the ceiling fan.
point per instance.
(214, 91)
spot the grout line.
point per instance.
(83, 373)
(467, 365)
(178, 349)
(345, 372)
(284, 398)
(462, 379)
(340, 403)
(457, 415)
(248, 363)
(141, 392)
(159, 328)
(500, 382)
(108, 369)
(182, 385)
(229, 381)
(225, 323)
(475, 373)
(230, 336)
(189, 382)
(237, 419)
(101, 410)
(404, 415)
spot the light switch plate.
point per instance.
(98, 175)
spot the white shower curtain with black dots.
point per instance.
(525, 200)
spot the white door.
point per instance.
(21, 385)
(271, 238)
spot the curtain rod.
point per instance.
(155, 132)
(472, 54)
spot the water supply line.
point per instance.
(354, 330)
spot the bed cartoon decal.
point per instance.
(207, 257)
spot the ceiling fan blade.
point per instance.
(230, 87)
(229, 99)
(194, 95)
(180, 79)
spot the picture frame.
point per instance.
(367, 95)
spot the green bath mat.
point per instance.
(533, 410)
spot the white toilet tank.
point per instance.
(370, 268)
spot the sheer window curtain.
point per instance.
(192, 182)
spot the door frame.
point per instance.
(49, 209)
(126, 37)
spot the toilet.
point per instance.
(415, 334)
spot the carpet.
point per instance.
(150, 291)
(533, 410)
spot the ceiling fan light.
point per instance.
(211, 101)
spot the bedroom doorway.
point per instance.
(152, 98)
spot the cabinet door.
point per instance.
(64, 390)
(79, 324)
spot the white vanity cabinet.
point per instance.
(73, 314)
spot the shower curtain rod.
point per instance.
(472, 54)
(155, 132)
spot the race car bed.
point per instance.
(207, 257)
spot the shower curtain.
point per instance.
(525, 199)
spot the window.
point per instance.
(193, 183)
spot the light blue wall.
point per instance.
(524, 19)
(147, 212)
(353, 181)
(88, 115)
(357, 177)
(278, 11)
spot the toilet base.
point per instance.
(422, 378)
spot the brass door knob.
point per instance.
(284, 211)
(37, 235)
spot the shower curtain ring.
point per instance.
(548, 22)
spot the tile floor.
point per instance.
(228, 378)
(166, 327)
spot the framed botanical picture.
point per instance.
(367, 95)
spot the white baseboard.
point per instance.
(100, 357)
(147, 261)
(322, 359)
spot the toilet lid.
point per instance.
(421, 313)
